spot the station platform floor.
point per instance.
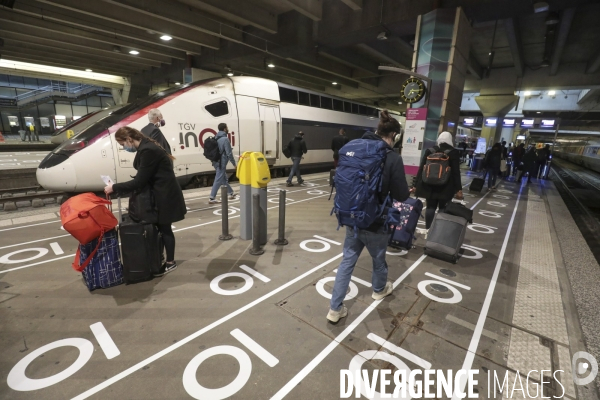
(523, 297)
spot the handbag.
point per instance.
(287, 152)
(142, 207)
(459, 210)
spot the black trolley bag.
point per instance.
(445, 237)
(477, 184)
(458, 209)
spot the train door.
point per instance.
(270, 122)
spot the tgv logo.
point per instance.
(184, 138)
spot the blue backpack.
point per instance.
(358, 183)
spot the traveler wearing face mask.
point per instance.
(152, 130)
(154, 168)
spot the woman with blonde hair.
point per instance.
(153, 165)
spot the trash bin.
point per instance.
(22, 133)
(477, 163)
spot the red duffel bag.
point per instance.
(87, 217)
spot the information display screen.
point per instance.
(509, 122)
(520, 137)
(547, 123)
(490, 121)
(468, 121)
(527, 122)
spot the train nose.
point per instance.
(59, 177)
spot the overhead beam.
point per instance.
(318, 75)
(473, 66)
(566, 19)
(355, 5)
(513, 34)
(240, 12)
(352, 60)
(151, 52)
(93, 23)
(312, 9)
(278, 77)
(381, 57)
(142, 23)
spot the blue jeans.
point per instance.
(295, 169)
(376, 244)
(220, 180)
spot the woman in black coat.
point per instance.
(438, 196)
(492, 162)
(154, 168)
(529, 160)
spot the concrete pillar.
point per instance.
(494, 106)
(442, 54)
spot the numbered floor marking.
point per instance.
(255, 348)
(456, 295)
(497, 204)
(214, 284)
(320, 240)
(6, 259)
(476, 250)
(460, 285)
(56, 248)
(320, 286)
(256, 274)
(230, 211)
(106, 343)
(327, 240)
(480, 228)
(491, 214)
(275, 200)
(500, 196)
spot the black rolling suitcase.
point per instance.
(459, 210)
(445, 237)
(140, 251)
(477, 183)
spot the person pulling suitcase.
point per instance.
(154, 173)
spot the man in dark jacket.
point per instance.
(375, 238)
(336, 144)
(529, 163)
(152, 129)
(491, 162)
(518, 153)
(297, 148)
(543, 155)
(226, 153)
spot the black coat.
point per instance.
(153, 132)
(297, 146)
(154, 168)
(529, 160)
(454, 184)
(337, 143)
(492, 160)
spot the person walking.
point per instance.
(152, 130)
(336, 144)
(376, 237)
(518, 153)
(529, 160)
(543, 155)
(437, 196)
(220, 166)
(491, 163)
(154, 168)
(34, 136)
(297, 148)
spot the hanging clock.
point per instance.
(413, 90)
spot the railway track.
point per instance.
(15, 199)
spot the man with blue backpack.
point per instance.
(368, 177)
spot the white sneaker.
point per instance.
(335, 316)
(426, 233)
(214, 201)
(387, 290)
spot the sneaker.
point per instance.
(426, 233)
(232, 196)
(165, 269)
(335, 316)
(288, 184)
(301, 181)
(214, 201)
(387, 290)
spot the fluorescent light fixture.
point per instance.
(271, 65)
(552, 93)
(527, 93)
(230, 73)
(88, 70)
(539, 112)
(166, 37)
(134, 52)
(468, 121)
(334, 83)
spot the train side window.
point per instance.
(218, 109)
(354, 108)
(326, 103)
(303, 99)
(347, 107)
(362, 110)
(315, 100)
(338, 105)
(288, 95)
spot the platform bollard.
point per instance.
(256, 250)
(224, 215)
(281, 240)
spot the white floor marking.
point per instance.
(104, 340)
(468, 363)
(254, 347)
(28, 226)
(357, 280)
(33, 241)
(479, 201)
(327, 240)
(284, 391)
(56, 248)
(198, 333)
(460, 285)
(34, 264)
(471, 326)
(255, 273)
(424, 364)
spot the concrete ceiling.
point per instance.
(312, 42)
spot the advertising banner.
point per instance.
(413, 139)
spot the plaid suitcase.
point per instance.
(105, 269)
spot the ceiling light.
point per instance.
(400, 102)
(271, 65)
(527, 93)
(134, 52)
(552, 93)
(177, 83)
(166, 37)
(539, 112)
(334, 83)
(88, 70)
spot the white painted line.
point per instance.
(104, 340)
(479, 201)
(473, 247)
(37, 263)
(468, 325)
(284, 391)
(29, 226)
(33, 241)
(357, 280)
(255, 273)
(254, 347)
(56, 248)
(468, 363)
(424, 364)
(327, 240)
(198, 333)
(460, 285)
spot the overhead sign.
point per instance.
(527, 123)
(520, 137)
(491, 121)
(468, 121)
(547, 123)
(509, 122)
(8, 102)
(412, 145)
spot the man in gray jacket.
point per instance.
(221, 166)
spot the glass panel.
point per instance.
(354, 108)
(288, 95)
(303, 99)
(326, 103)
(315, 100)
(218, 109)
(338, 105)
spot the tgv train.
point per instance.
(584, 153)
(262, 115)
(77, 126)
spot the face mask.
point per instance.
(162, 122)
(129, 149)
